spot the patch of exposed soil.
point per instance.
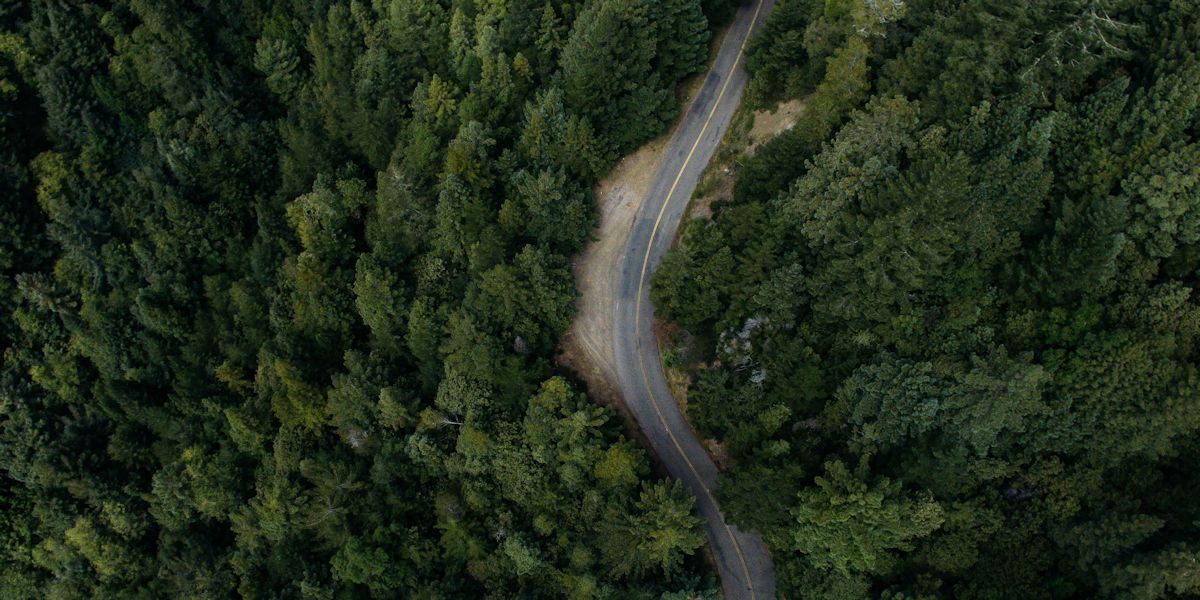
(770, 123)
(587, 346)
(718, 453)
(748, 132)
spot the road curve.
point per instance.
(742, 559)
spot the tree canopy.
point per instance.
(947, 323)
(282, 284)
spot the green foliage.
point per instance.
(970, 270)
(666, 530)
(282, 285)
(847, 525)
(621, 60)
(845, 85)
(547, 209)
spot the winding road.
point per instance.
(742, 559)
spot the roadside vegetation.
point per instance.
(950, 319)
(282, 282)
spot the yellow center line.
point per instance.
(642, 282)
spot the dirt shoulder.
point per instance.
(587, 346)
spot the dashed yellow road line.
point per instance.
(642, 282)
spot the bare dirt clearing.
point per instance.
(587, 347)
(770, 123)
(749, 131)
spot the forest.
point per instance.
(945, 329)
(282, 286)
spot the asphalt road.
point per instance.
(742, 559)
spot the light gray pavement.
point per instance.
(742, 559)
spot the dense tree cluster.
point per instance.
(948, 325)
(281, 284)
